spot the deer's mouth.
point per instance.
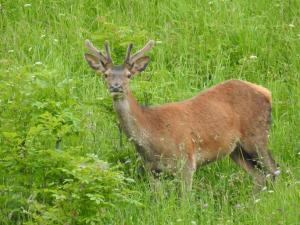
(117, 94)
(117, 89)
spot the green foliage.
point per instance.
(55, 187)
(58, 129)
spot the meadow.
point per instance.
(63, 159)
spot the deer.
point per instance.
(231, 118)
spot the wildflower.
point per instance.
(27, 5)
(193, 222)
(90, 126)
(127, 161)
(291, 25)
(205, 205)
(38, 63)
(253, 57)
(238, 206)
(82, 166)
(256, 200)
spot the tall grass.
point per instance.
(199, 43)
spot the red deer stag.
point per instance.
(232, 118)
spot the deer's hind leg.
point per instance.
(256, 147)
(246, 161)
(255, 142)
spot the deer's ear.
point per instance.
(140, 65)
(94, 62)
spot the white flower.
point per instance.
(277, 172)
(193, 222)
(253, 57)
(291, 25)
(27, 5)
(256, 200)
(82, 165)
(128, 161)
(38, 63)
(238, 206)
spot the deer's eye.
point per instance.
(105, 76)
(129, 75)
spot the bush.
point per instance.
(54, 187)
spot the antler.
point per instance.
(127, 57)
(138, 54)
(108, 56)
(95, 51)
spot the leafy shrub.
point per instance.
(54, 187)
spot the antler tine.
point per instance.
(127, 57)
(141, 52)
(94, 50)
(108, 56)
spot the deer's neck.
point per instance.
(131, 117)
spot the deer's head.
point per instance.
(117, 76)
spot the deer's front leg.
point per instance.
(188, 173)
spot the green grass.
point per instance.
(200, 43)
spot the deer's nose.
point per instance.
(116, 87)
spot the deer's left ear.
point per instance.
(94, 62)
(139, 65)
